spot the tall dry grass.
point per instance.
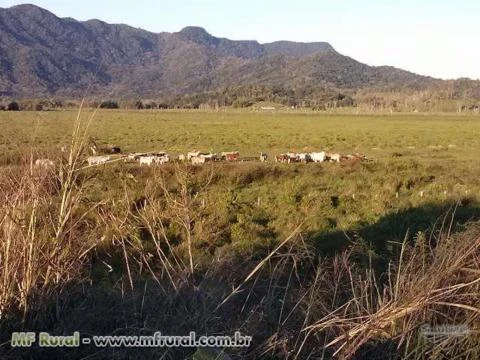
(45, 233)
(157, 233)
(434, 282)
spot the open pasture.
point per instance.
(423, 137)
(417, 159)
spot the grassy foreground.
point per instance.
(311, 260)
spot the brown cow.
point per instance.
(230, 156)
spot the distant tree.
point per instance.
(139, 105)
(39, 107)
(109, 104)
(57, 103)
(151, 105)
(45, 104)
(292, 101)
(2, 108)
(13, 106)
(72, 104)
(27, 105)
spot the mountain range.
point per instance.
(44, 55)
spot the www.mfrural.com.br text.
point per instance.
(44, 339)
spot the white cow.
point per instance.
(356, 157)
(161, 159)
(134, 156)
(209, 157)
(292, 157)
(192, 154)
(182, 157)
(202, 158)
(146, 160)
(45, 163)
(334, 157)
(198, 160)
(154, 159)
(97, 160)
(318, 157)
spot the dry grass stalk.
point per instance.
(431, 286)
(40, 222)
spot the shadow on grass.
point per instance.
(391, 230)
(111, 308)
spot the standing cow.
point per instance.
(161, 159)
(146, 160)
(334, 157)
(44, 163)
(192, 154)
(198, 160)
(304, 157)
(97, 160)
(287, 158)
(292, 157)
(230, 156)
(318, 157)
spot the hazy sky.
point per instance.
(431, 37)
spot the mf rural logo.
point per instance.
(27, 339)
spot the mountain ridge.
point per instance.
(45, 55)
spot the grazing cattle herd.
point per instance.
(198, 158)
(317, 157)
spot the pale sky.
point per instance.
(439, 38)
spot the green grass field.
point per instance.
(416, 159)
(249, 132)
(129, 226)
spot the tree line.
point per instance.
(456, 96)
